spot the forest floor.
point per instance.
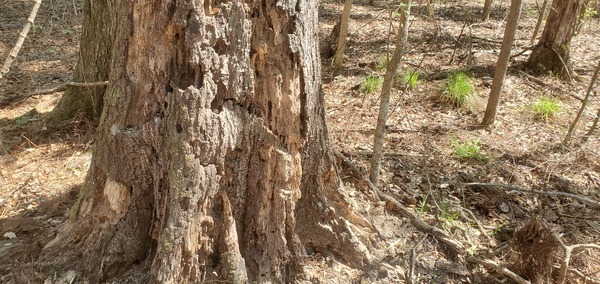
(41, 167)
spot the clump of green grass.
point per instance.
(371, 83)
(468, 150)
(459, 89)
(411, 78)
(545, 108)
(382, 63)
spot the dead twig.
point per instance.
(583, 199)
(70, 84)
(499, 268)
(481, 229)
(15, 51)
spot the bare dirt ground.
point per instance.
(41, 168)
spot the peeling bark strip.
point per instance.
(213, 161)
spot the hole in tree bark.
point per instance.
(179, 128)
(220, 47)
(168, 88)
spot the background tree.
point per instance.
(538, 24)
(212, 160)
(93, 65)
(341, 43)
(487, 9)
(552, 51)
(502, 63)
(386, 90)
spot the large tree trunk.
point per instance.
(213, 160)
(552, 51)
(93, 65)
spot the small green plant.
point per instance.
(66, 31)
(22, 120)
(447, 215)
(458, 89)
(468, 150)
(545, 108)
(382, 62)
(471, 250)
(411, 78)
(36, 27)
(498, 229)
(421, 207)
(371, 83)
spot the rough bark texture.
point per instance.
(502, 63)
(93, 64)
(551, 54)
(213, 161)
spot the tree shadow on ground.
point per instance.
(33, 228)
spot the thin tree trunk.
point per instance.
(592, 128)
(212, 162)
(538, 24)
(341, 45)
(15, 51)
(502, 63)
(93, 65)
(586, 100)
(386, 91)
(487, 9)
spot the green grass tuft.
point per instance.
(545, 108)
(411, 78)
(468, 150)
(370, 84)
(459, 89)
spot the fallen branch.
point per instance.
(454, 245)
(88, 84)
(64, 87)
(13, 53)
(583, 199)
(499, 268)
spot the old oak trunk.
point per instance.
(212, 160)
